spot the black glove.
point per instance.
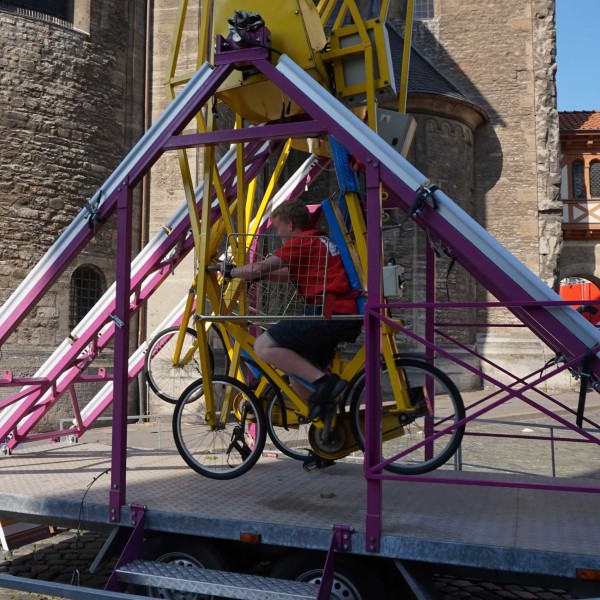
(227, 268)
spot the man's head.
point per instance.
(290, 217)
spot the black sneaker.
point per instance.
(328, 388)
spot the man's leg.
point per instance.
(326, 387)
(285, 359)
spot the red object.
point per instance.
(589, 294)
(310, 256)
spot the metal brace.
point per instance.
(343, 535)
(420, 202)
(117, 321)
(583, 385)
(93, 208)
(340, 542)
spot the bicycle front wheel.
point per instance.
(166, 378)
(430, 414)
(234, 441)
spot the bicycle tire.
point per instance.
(231, 449)
(166, 380)
(284, 429)
(288, 434)
(448, 406)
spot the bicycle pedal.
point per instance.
(315, 462)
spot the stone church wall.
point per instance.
(516, 171)
(71, 106)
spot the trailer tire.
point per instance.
(185, 551)
(354, 578)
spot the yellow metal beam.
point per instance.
(403, 92)
(176, 40)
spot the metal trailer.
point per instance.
(380, 521)
(278, 511)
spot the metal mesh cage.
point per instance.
(296, 290)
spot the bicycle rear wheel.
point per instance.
(403, 430)
(284, 427)
(168, 380)
(232, 446)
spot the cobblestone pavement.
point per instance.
(66, 557)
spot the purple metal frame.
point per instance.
(133, 548)
(534, 314)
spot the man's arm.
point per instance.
(270, 269)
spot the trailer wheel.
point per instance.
(353, 579)
(184, 552)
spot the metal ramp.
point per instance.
(223, 584)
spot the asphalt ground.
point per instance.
(66, 556)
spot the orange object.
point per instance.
(587, 295)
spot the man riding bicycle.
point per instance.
(305, 347)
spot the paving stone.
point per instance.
(525, 595)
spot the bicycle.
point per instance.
(220, 429)
(172, 360)
(220, 425)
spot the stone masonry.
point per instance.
(71, 106)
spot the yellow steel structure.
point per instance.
(353, 61)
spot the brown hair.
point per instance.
(294, 212)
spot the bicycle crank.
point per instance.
(338, 441)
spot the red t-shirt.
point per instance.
(317, 270)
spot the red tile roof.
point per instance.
(579, 119)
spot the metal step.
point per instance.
(220, 583)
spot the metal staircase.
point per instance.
(224, 584)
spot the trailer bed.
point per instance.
(513, 529)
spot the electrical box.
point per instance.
(393, 278)
(397, 129)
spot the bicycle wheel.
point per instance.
(167, 380)
(233, 446)
(285, 427)
(403, 430)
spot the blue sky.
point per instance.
(578, 75)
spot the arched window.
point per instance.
(577, 180)
(595, 179)
(87, 287)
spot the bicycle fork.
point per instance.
(238, 438)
